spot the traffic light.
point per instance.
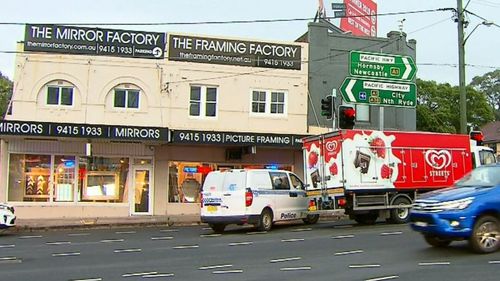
(347, 117)
(327, 107)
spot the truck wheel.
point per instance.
(265, 220)
(311, 219)
(400, 215)
(485, 235)
(436, 241)
(366, 219)
(217, 227)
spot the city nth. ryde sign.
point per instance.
(385, 66)
(382, 93)
(233, 52)
(89, 131)
(94, 41)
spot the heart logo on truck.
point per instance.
(438, 159)
(331, 145)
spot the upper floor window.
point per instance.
(126, 98)
(59, 95)
(203, 101)
(268, 102)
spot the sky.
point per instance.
(435, 32)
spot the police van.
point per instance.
(257, 197)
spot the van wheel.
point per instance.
(311, 219)
(217, 227)
(436, 241)
(400, 215)
(485, 235)
(366, 219)
(265, 221)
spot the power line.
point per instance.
(233, 21)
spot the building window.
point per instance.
(60, 95)
(203, 101)
(268, 102)
(362, 112)
(126, 98)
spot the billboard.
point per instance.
(360, 18)
(233, 52)
(93, 41)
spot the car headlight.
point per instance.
(456, 204)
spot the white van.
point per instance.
(259, 197)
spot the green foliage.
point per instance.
(5, 94)
(489, 84)
(438, 107)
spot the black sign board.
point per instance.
(233, 52)
(339, 14)
(338, 6)
(94, 41)
(236, 138)
(88, 131)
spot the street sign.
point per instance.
(385, 66)
(382, 93)
(339, 14)
(338, 6)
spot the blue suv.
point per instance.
(469, 210)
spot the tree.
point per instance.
(489, 84)
(438, 107)
(5, 94)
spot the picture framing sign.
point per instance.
(233, 52)
(94, 41)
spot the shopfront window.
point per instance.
(66, 178)
(186, 178)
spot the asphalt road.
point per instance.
(325, 251)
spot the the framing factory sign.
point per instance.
(94, 41)
(233, 52)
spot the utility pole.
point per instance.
(461, 67)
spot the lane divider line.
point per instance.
(348, 252)
(215, 266)
(138, 274)
(285, 259)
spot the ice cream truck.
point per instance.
(374, 175)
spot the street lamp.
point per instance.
(461, 63)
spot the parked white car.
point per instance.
(7, 217)
(258, 197)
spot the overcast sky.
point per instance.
(435, 32)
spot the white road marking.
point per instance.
(343, 236)
(138, 274)
(8, 258)
(301, 229)
(128, 250)
(364, 265)
(206, 228)
(391, 233)
(210, 235)
(158, 275)
(30, 236)
(348, 252)
(215, 266)
(112, 240)
(162, 238)
(79, 234)
(88, 279)
(383, 278)
(295, 268)
(433, 263)
(228, 271)
(285, 259)
(240, 243)
(7, 246)
(59, 243)
(256, 232)
(292, 240)
(186, 247)
(494, 262)
(169, 230)
(66, 254)
(125, 232)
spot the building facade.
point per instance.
(103, 123)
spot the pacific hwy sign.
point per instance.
(383, 66)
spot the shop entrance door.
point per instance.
(142, 201)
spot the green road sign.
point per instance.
(382, 93)
(385, 66)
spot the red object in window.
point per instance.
(82, 172)
(204, 169)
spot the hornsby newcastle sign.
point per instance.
(236, 138)
(233, 52)
(47, 129)
(94, 41)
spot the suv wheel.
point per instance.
(266, 220)
(485, 235)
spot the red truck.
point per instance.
(377, 174)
